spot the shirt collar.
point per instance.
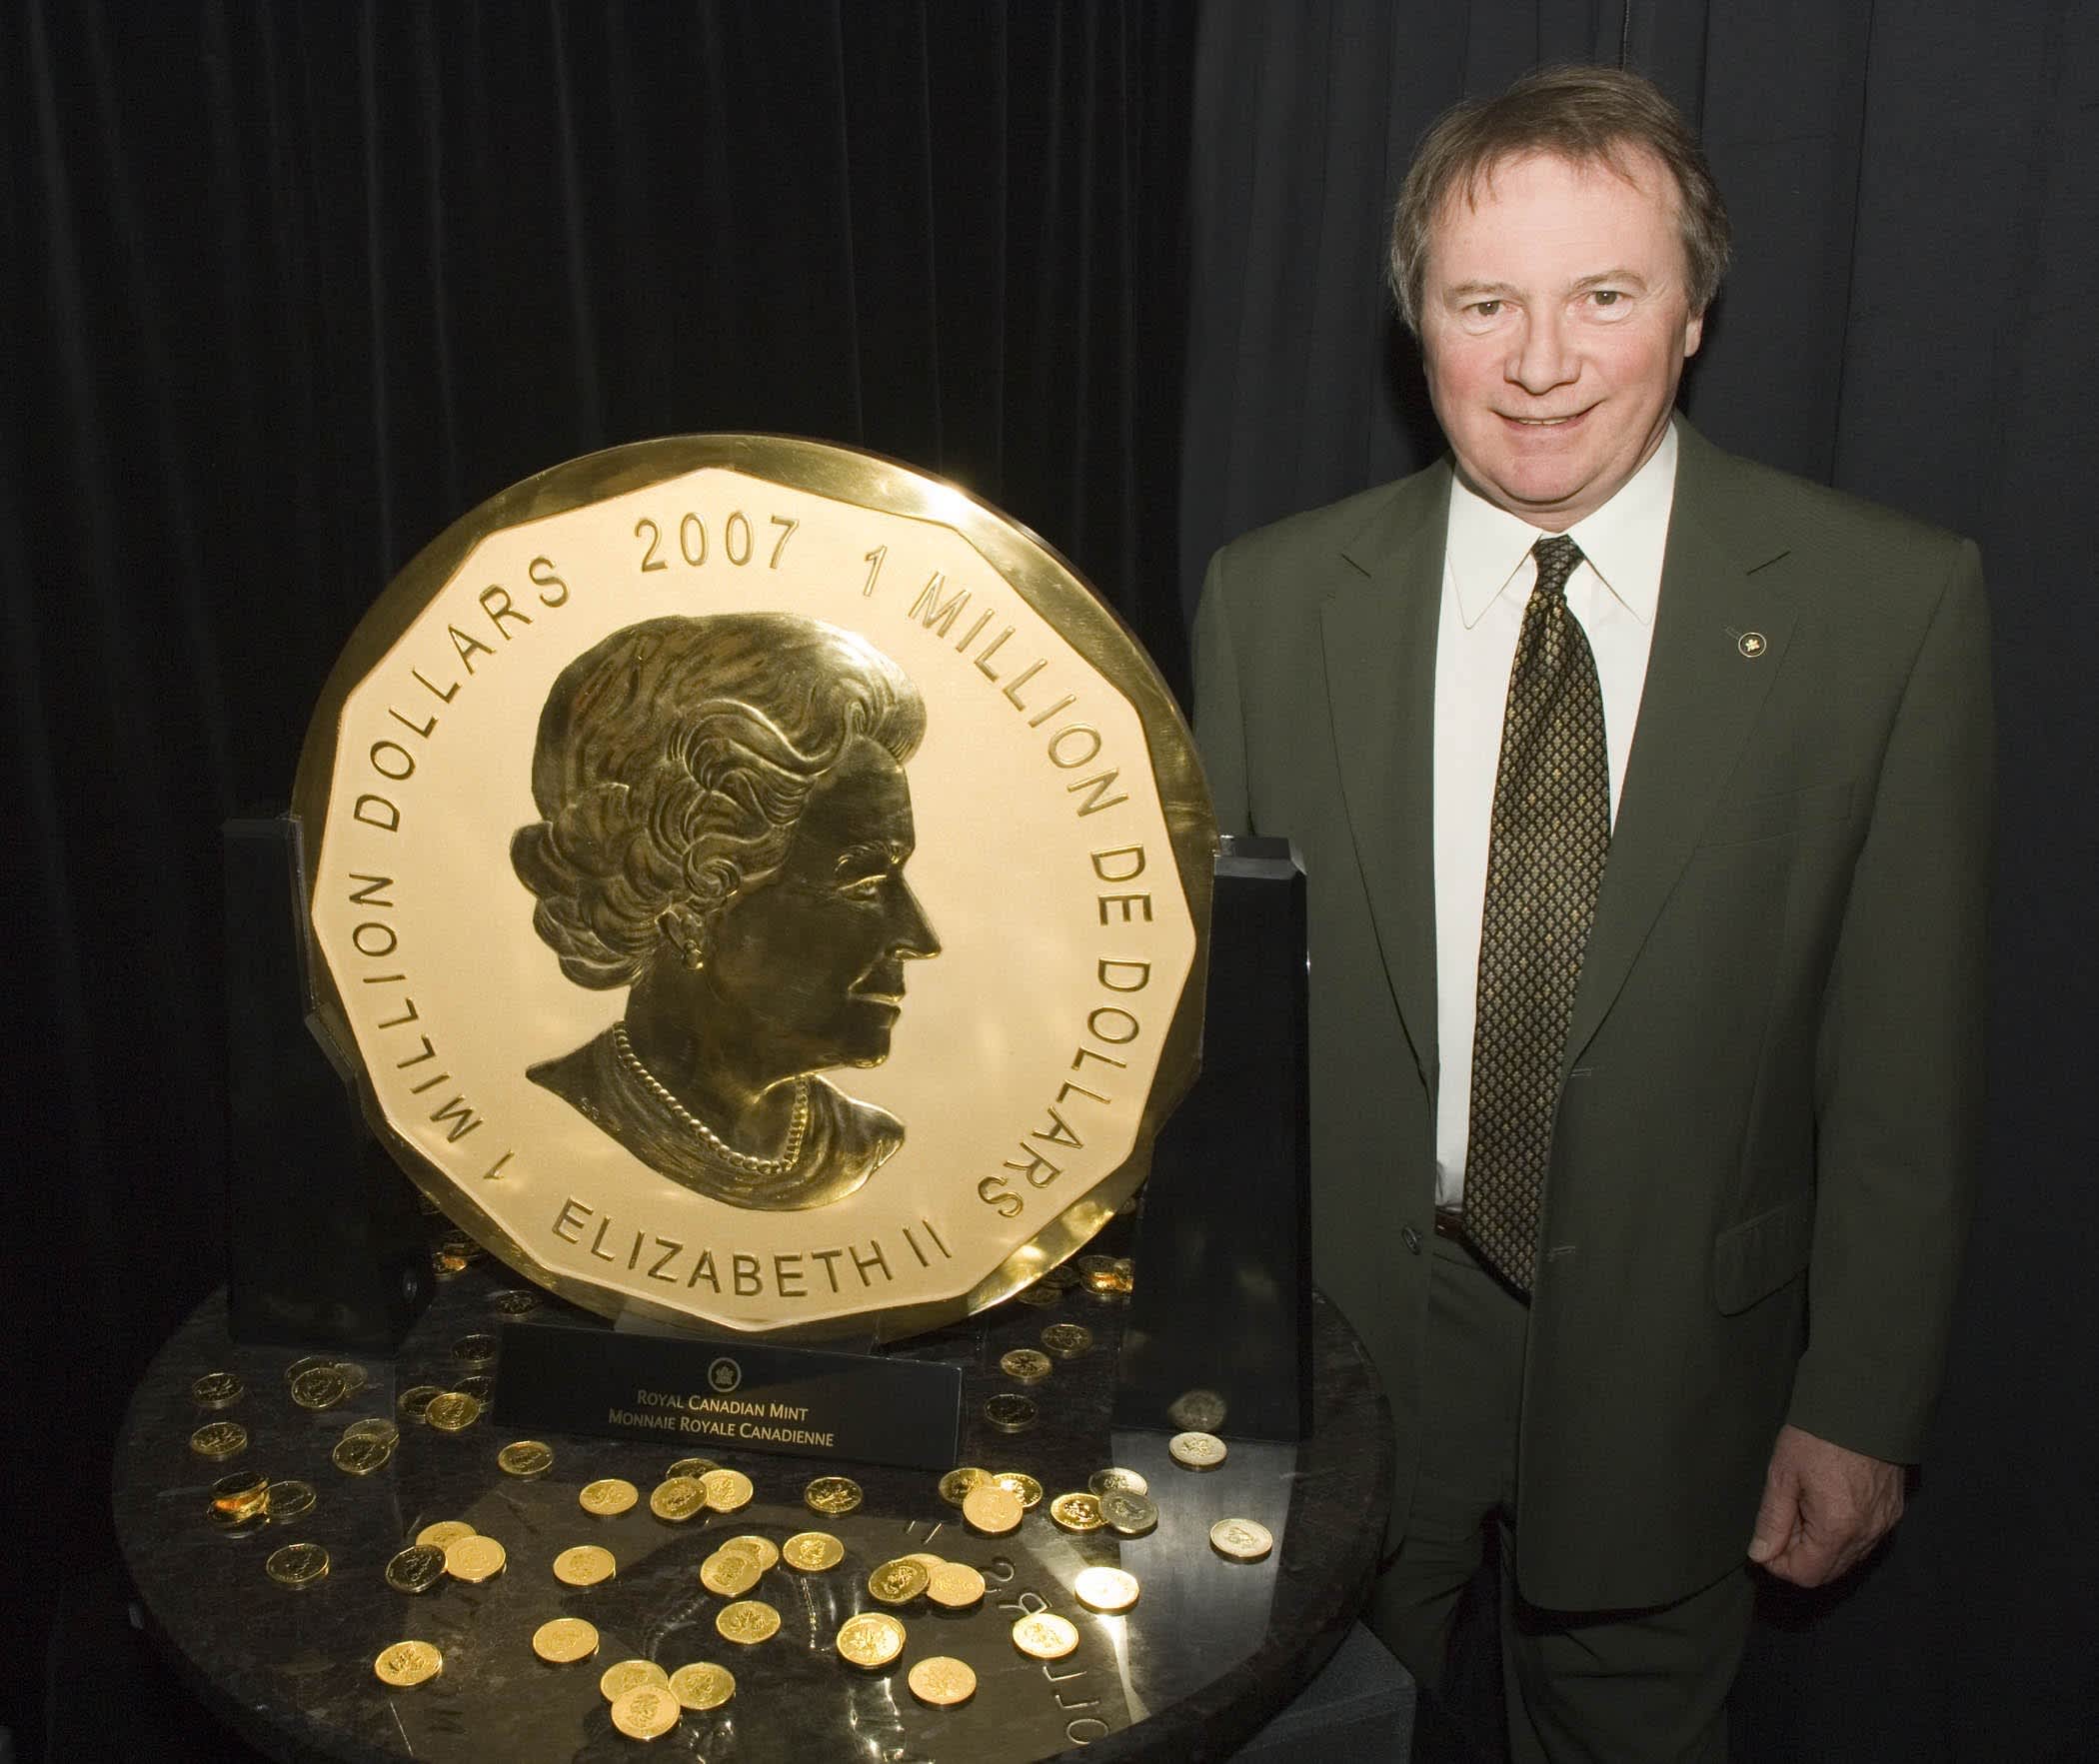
(1489, 549)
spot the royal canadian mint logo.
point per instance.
(764, 890)
(723, 1376)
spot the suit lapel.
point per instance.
(1701, 696)
(1380, 637)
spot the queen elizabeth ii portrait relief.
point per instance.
(725, 823)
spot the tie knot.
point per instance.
(1557, 554)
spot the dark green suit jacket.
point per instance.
(1762, 1166)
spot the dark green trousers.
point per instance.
(1609, 1685)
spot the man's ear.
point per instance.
(1693, 335)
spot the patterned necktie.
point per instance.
(1550, 835)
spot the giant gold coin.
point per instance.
(297, 1564)
(702, 1686)
(659, 702)
(940, 1681)
(565, 1640)
(1045, 1636)
(585, 1565)
(749, 1622)
(475, 1559)
(407, 1663)
(624, 1675)
(608, 1497)
(813, 1551)
(871, 1640)
(645, 1712)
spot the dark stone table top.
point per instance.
(1209, 1652)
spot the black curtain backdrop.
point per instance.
(1915, 193)
(286, 288)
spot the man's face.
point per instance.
(813, 961)
(1555, 322)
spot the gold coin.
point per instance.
(1093, 1264)
(241, 1493)
(452, 1411)
(616, 1680)
(1077, 1512)
(217, 1391)
(1241, 1540)
(373, 1428)
(238, 1525)
(475, 1351)
(764, 1549)
(1011, 1413)
(899, 1582)
(730, 1573)
(474, 1559)
(931, 1560)
(954, 1586)
(414, 1402)
(749, 1622)
(940, 1681)
(479, 1385)
(872, 1639)
(608, 1497)
(565, 1640)
(416, 1569)
(702, 1686)
(693, 1468)
(727, 1490)
(991, 1509)
(361, 1457)
(1130, 1515)
(1196, 1451)
(513, 1302)
(1022, 1486)
(1105, 1589)
(1045, 1636)
(958, 1483)
(585, 1565)
(1042, 1295)
(289, 1500)
(526, 1459)
(219, 1439)
(813, 1551)
(1067, 1342)
(1117, 1482)
(353, 1375)
(297, 1564)
(1028, 1364)
(444, 1533)
(831, 1495)
(678, 1500)
(319, 1387)
(407, 1663)
(645, 1712)
(311, 1362)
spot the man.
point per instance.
(1647, 879)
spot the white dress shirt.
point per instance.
(1488, 575)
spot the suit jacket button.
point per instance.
(1412, 1238)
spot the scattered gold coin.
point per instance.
(513, 1302)
(1093, 1264)
(353, 1375)
(475, 1559)
(1077, 1512)
(407, 1663)
(608, 1497)
(1105, 1589)
(453, 1411)
(693, 1468)
(941, 1681)
(585, 1565)
(813, 1551)
(729, 1573)
(297, 1564)
(1028, 1364)
(645, 1712)
(243, 1493)
(1196, 1451)
(1011, 1413)
(1117, 1482)
(899, 1582)
(416, 1569)
(1241, 1540)
(319, 1387)
(702, 1686)
(991, 1509)
(1067, 1342)
(1045, 1636)
(958, 1483)
(219, 1439)
(1062, 1278)
(749, 1622)
(931, 1560)
(678, 1500)
(288, 1500)
(475, 1351)
(1022, 1486)
(873, 1639)
(764, 1549)
(1130, 1515)
(565, 1640)
(373, 1428)
(311, 1362)
(238, 1525)
(413, 1404)
(616, 1680)
(525, 1457)
(444, 1533)
(727, 1490)
(217, 1391)
(831, 1495)
(954, 1586)
(361, 1457)
(479, 1385)
(1040, 1295)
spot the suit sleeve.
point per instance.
(1220, 731)
(1899, 1075)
